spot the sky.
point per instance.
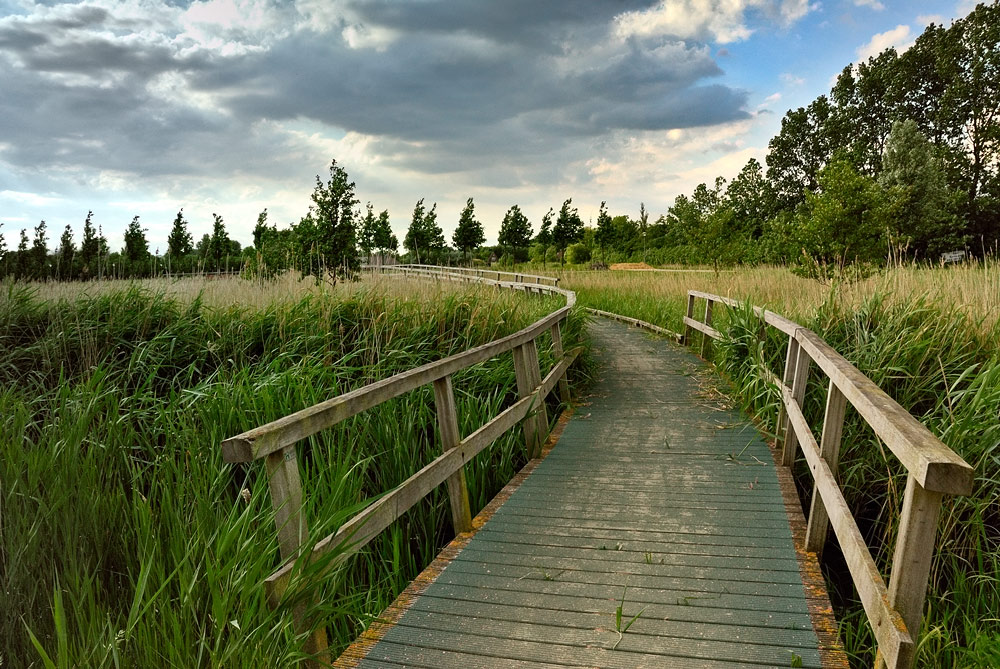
(142, 107)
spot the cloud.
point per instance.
(899, 37)
(722, 21)
(791, 80)
(871, 4)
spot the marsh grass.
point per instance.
(928, 337)
(127, 542)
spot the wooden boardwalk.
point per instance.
(659, 498)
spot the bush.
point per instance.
(577, 254)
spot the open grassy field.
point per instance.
(930, 337)
(127, 542)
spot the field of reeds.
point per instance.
(125, 541)
(929, 337)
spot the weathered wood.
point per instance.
(688, 316)
(365, 526)
(829, 447)
(458, 490)
(525, 370)
(911, 562)
(285, 485)
(935, 466)
(541, 413)
(890, 630)
(638, 323)
(791, 356)
(260, 441)
(557, 351)
(706, 345)
(800, 379)
(691, 323)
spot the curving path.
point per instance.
(659, 498)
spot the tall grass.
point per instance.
(928, 337)
(127, 542)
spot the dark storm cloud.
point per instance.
(469, 86)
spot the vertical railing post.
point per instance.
(285, 484)
(829, 449)
(781, 427)
(706, 341)
(458, 490)
(686, 336)
(557, 352)
(911, 562)
(799, 381)
(528, 379)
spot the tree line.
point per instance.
(901, 157)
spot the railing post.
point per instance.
(285, 485)
(911, 562)
(528, 379)
(829, 449)
(686, 336)
(458, 490)
(557, 350)
(782, 426)
(706, 341)
(799, 381)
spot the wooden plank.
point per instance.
(689, 315)
(701, 327)
(260, 441)
(911, 562)
(362, 528)
(540, 413)
(794, 396)
(557, 351)
(791, 356)
(829, 450)
(285, 486)
(638, 323)
(706, 346)
(935, 466)
(522, 371)
(890, 630)
(458, 490)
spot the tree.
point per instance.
(90, 247)
(605, 235)
(544, 236)
(751, 199)
(643, 219)
(844, 222)
(22, 268)
(40, 253)
(179, 241)
(366, 233)
(334, 236)
(922, 218)
(67, 253)
(424, 237)
(4, 259)
(797, 153)
(260, 230)
(382, 237)
(515, 232)
(469, 234)
(218, 245)
(568, 227)
(136, 249)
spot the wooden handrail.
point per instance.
(497, 275)
(276, 443)
(895, 611)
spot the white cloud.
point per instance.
(927, 19)
(723, 21)
(790, 79)
(899, 37)
(873, 4)
(773, 97)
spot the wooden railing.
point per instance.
(933, 470)
(276, 442)
(494, 275)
